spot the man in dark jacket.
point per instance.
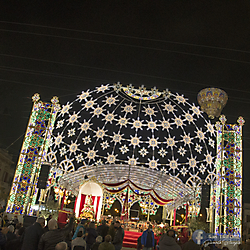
(103, 229)
(148, 239)
(167, 241)
(50, 239)
(119, 235)
(33, 234)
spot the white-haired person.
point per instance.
(33, 234)
(55, 235)
(61, 246)
(97, 243)
(78, 241)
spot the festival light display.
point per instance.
(227, 193)
(35, 145)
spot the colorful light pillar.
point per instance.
(228, 191)
(35, 145)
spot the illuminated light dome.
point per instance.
(152, 129)
(212, 101)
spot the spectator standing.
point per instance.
(3, 237)
(78, 241)
(49, 240)
(167, 241)
(16, 243)
(107, 245)
(33, 234)
(103, 229)
(111, 231)
(91, 235)
(148, 239)
(81, 227)
(119, 235)
(97, 243)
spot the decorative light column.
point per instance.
(228, 191)
(35, 145)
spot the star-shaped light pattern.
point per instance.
(143, 152)
(71, 132)
(124, 149)
(60, 124)
(86, 140)
(83, 95)
(162, 152)
(158, 131)
(105, 145)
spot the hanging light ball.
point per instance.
(212, 101)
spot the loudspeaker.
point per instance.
(29, 220)
(43, 177)
(205, 195)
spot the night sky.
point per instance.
(63, 47)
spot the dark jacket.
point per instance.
(167, 242)
(3, 240)
(118, 238)
(14, 244)
(49, 240)
(103, 230)
(32, 236)
(144, 238)
(95, 246)
(106, 246)
(190, 245)
(92, 234)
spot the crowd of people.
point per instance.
(84, 236)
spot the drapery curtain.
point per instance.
(155, 197)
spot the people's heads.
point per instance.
(117, 224)
(225, 248)
(15, 216)
(11, 228)
(18, 225)
(52, 224)
(108, 238)
(79, 234)
(5, 217)
(41, 221)
(83, 221)
(92, 224)
(104, 222)
(171, 233)
(150, 227)
(99, 239)
(61, 246)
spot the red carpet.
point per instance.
(130, 239)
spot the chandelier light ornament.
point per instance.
(212, 101)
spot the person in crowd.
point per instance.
(97, 243)
(33, 234)
(107, 245)
(91, 235)
(5, 221)
(103, 229)
(111, 231)
(148, 238)
(11, 235)
(81, 227)
(16, 243)
(46, 228)
(17, 227)
(119, 235)
(16, 221)
(3, 237)
(139, 243)
(78, 241)
(61, 246)
(167, 241)
(49, 240)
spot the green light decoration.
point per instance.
(38, 134)
(227, 194)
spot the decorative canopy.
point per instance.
(162, 188)
(150, 129)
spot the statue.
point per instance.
(88, 209)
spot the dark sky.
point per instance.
(63, 47)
